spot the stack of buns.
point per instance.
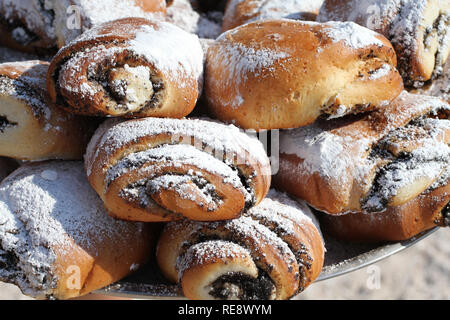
(136, 121)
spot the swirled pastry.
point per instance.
(165, 169)
(369, 162)
(285, 74)
(6, 167)
(43, 26)
(31, 126)
(274, 251)
(418, 29)
(131, 67)
(239, 12)
(430, 209)
(56, 241)
(439, 87)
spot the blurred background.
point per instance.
(419, 272)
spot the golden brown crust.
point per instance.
(75, 247)
(33, 127)
(439, 87)
(285, 74)
(332, 164)
(396, 223)
(418, 30)
(23, 27)
(276, 246)
(163, 169)
(130, 68)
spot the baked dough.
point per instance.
(31, 126)
(239, 12)
(130, 67)
(370, 162)
(156, 169)
(274, 251)
(56, 240)
(285, 74)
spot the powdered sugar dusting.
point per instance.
(42, 206)
(241, 61)
(323, 152)
(181, 14)
(199, 253)
(276, 9)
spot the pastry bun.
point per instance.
(31, 126)
(274, 251)
(285, 74)
(129, 67)
(369, 162)
(428, 210)
(155, 169)
(56, 240)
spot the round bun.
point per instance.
(283, 73)
(56, 240)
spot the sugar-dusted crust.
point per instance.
(273, 251)
(163, 169)
(130, 67)
(285, 74)
(56, 240)
(32, 127)
(369, 162)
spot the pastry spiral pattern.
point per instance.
(131, 67)
(418, 29)
(369, 163)
(56, 241)
(274, 251)
(239, 12)
(279, 74)
(156, 169)
(31, 126)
